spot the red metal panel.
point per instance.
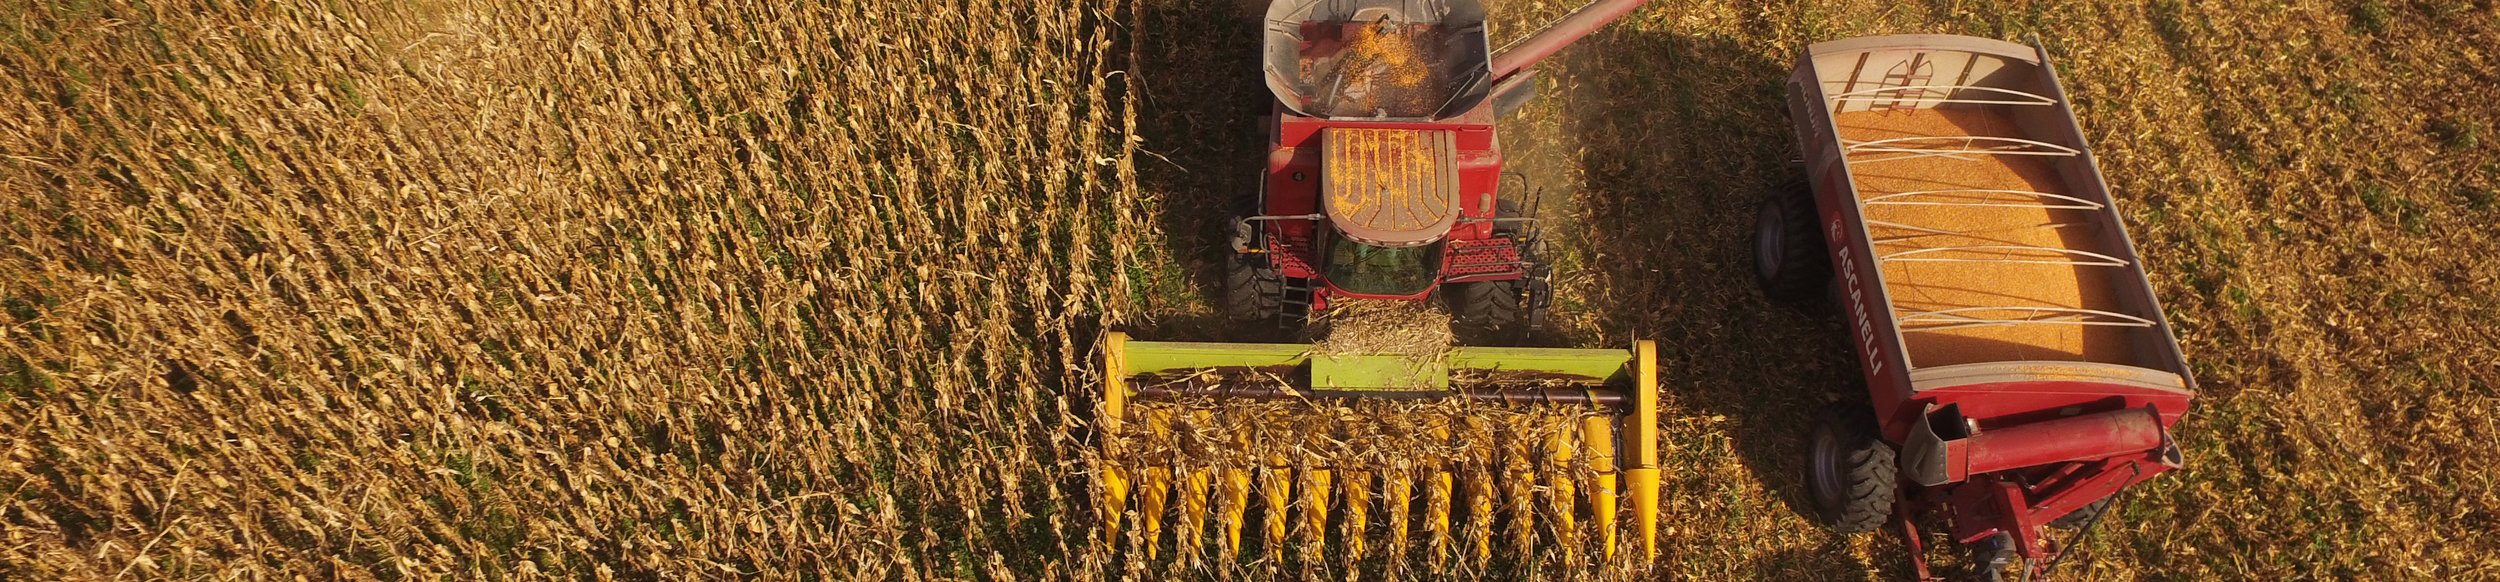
(1862, 294)
(1490, 259)
(1989, 505)
(1997, 404)
(1292, 251)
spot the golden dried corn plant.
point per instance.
(570, 290)
(479, 289)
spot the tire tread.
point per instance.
(1805, 264)
(1869, 477)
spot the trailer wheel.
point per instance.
(1487, 313)
(2082, 515)
(1849, 471)
(1789, 261)
(1253, 289)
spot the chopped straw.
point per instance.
(1404, 328)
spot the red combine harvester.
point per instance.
(2020, 368)
(1381, 182)
(1383, 170)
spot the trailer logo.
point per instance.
(1858, 318)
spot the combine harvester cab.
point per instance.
(1488, 446)
(2020, 369)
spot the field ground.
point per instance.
(476, 289)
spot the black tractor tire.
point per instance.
(1990, 557)
(2085, 515)
(1850, 475)
(1790, 263)
(1487, 313)
(1253, 289)
(1497, 313)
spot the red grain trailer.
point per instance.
(2019, 367)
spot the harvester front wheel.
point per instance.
(1253, 289)
(1500, 312)
(1487, 313)
(1789, 261)
(1849, 471)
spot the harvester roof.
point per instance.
(1390, 187)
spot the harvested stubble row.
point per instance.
(1411, 329)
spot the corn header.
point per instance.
(1218, 445)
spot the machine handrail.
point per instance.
(2012, 146)
(1868, 95)
(2079, 203)
(1313, 216)
(2104, 260)
(1976, 234)
(1944, 319)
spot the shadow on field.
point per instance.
(1199, 104)
(1678, 138)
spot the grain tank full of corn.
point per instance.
(1382, 185)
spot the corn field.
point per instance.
(484, 290)
(475, 289)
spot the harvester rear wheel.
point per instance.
(1789, 260)
(1849, 471)
(1487, 313)
(1253, 289)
